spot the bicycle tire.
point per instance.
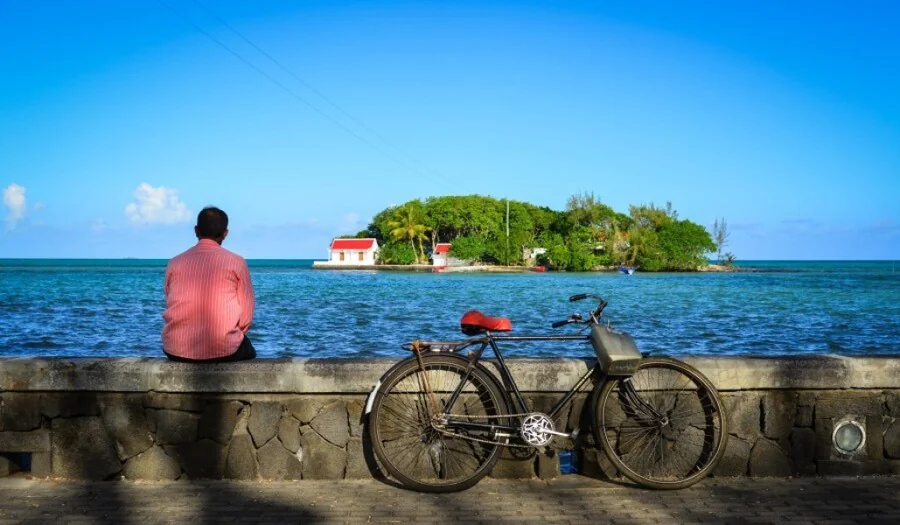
(687, 423)
(403, 439)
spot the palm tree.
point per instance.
(407, 225)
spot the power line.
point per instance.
(309, 86)
(288, 89)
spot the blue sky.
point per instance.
(120, 120)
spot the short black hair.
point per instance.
(211, 223)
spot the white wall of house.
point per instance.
(439, 259)
(353, 257)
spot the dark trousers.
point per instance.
(243, 353)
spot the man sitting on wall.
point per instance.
(209, 298)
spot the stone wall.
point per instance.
(293, 419)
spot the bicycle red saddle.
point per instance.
(474, 322)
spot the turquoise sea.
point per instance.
(113, 307)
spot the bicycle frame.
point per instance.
(490, 340)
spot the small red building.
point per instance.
(441, 254)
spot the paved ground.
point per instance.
(571, 499)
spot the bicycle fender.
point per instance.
(371, 399)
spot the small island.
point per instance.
(482, 233)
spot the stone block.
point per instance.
(803, 449)
(6, 467)
(152, 465)
(277, 463)
(241, 458)
(175, 426)
(81, 449)
(69, 404)
(804, 417)
(824, 445)
(357, 468)
(41, 464)
(263, 422)
(743, 410)
(548, 464)
(33, 441)
(126, 421)
(874, 438)
(595, 464)
(892, 400)
(767, 460)
(321, 459)
(218, 420)
(21, 411)
(543, 403)
(735, 460)
(332, 424)
(355, 415)
(891, 441)
(513, 466)
(579, 414)
(779, 410)
(892, 467)
(839, 467)
(187, 402)
(304, 409)
(289, 433)
(203, 459)
(836, 405)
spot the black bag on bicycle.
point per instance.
(616, 351)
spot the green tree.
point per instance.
(406, 225)
(720, 236)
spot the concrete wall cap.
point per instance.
(301, 375)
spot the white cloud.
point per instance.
(14, 201)
(156, 206)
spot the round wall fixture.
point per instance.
(849, 436)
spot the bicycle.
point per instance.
(438, 420)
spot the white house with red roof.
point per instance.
(441, 254)
(353, 252)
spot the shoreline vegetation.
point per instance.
(489, 234)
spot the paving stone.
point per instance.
(241, 458)
(331, 423)
(175, 426)
(321, 459)
(126, 421)
(203, 459)
(276, 463)
(289, 433)
(81, 449)
(153, 465)
(767, 459)
(304, 409)
(218, 420)
(263, 423)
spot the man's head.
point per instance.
(212, 223)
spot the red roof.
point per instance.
(352, 244)
(442, 247)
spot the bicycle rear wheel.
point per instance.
(663, 428)
(412, 448)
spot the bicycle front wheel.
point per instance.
(663, 428)
(417, 448)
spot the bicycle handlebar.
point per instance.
(578, 297)
(557, 324)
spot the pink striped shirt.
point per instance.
(209, 302)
